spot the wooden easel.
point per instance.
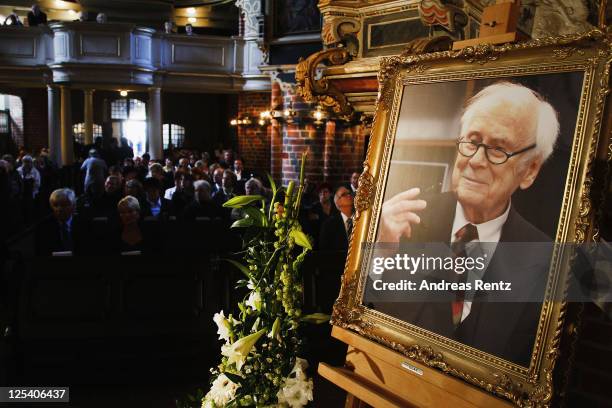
(379, 377)
(498, 25)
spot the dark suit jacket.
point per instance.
(333, 234)
(48, 239)
(498, 323)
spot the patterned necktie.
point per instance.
(349, 227)
(467, 233)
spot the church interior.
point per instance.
(128, 132)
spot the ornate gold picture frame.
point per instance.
(583, 60)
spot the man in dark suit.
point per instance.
(336, 230)
(60, 232)
(507, 132)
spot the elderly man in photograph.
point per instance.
(507, 132)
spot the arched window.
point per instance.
(130, 115)
(174, 134)
(78, 131)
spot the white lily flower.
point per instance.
(223, 326)
(254, 300)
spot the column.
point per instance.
(67, 143)
(53, 122)
(154, 124)
(88, 104)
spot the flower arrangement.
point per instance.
(259, 358)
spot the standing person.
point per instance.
(241, 176)
(320, 211)
(36, 16)
(354, 183)
(30, 176)
(14, 178)
(336, 230)
(95, 170)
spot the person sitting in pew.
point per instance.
(106, 206)
(130, 238)
(203, 205)
(59, 233)
(159, 206)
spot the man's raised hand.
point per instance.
(399, 214)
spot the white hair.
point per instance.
(130, 202)
(199, 184)
(547, 126)
(63, 193)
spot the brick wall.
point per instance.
(334, 150)
(254, 141)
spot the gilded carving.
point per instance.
(321, 90)
(365, 192)
(340, 29)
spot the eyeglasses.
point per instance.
(495, 155)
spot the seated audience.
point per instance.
(228, 159)
(217, 176)
(228, 183)
(183, 165)
(134, 188)
(106, 206)
(178, 178)
(203, 205)
(169, 167)
(183, 196)
(252, 187)
(129, 237)
(159, 206)
(61, 231)
(156, 171)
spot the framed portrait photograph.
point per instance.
(475, 192)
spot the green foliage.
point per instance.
(262, 343)
(241, 201)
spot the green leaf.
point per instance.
(254, 214)
(272, 183)
(300, 238)
(243, 223)
(240, 266)
(275, 328)
(241, 201)
(233, 377)
(316, 318)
